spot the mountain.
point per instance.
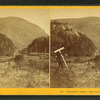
(7, 47)
(39, 45)
(75, 43)
(90, 26)
(20, 31)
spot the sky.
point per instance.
(74, 13)
(39, 17)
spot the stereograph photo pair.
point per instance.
(50, 48)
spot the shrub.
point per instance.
(77, 60)
(19, 60)
(97, 58)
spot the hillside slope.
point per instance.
(90, 26)
(75, 43)
(39, 45)
(20, 31)
(7, 47)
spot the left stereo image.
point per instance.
(24, 48)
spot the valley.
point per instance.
(31, 72)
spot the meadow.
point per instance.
(24, 71)
(82, 72)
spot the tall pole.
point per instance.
(63, 59)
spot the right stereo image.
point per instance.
(75, 48)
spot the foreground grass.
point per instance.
(32, 72)
(80, 74)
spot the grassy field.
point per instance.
(83, 72)
(29, 72)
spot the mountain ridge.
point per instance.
(75, 43)
(20, 31)
(90, 26)
(7, 47)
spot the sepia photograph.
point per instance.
(75, 48)
(24, 48)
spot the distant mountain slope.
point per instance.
(75, 43)
(39, 45)
(7, 47)
(20, 31)
(90, 26)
